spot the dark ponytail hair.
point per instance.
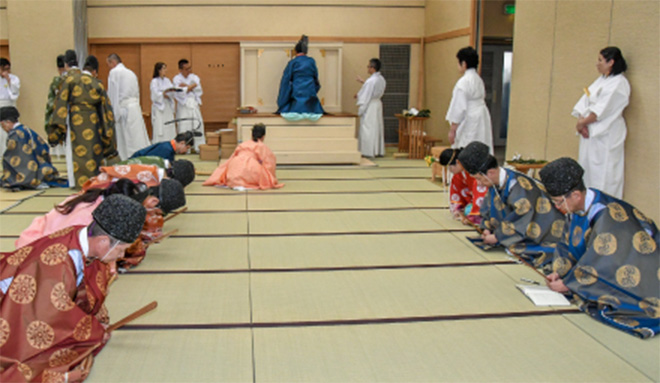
(122, 186)
(449, 156)
(614, 53)
(159, 65)
(258, 131)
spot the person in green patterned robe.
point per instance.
(83, 106)
(516, 213)
(54, 88)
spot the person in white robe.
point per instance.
(162, 105)
(189, 102)
(468, 113)
(370, 110)
(601, 126)
(10, 89)
(124, 94)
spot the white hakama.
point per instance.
(372, 127)
(124, 94)
(468, 109)
(601, 155)
(162, 110)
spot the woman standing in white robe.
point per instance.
(370, 110)
(468, 113)
(162, 105)
(601, 124)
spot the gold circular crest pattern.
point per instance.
(20, 134)
(586, 275)
(617, 212)
(32, 166)
(109, 115)
(639, 215)
(88, 134)
(643, 243)
(72, 133)
(499, 205)
(25, 370)
(54, 254)
(543, 205)
(40, 335)
(518, 248)
(533, 230)
(522, 206)
(81, 150)
(609, 300)
(85, 79)
(508, 228)
(60, 298)
(94, 94)
(61, 112)
(62, 357)
(77, 91)
(576, 238)
(94, 118)
(626, 322)
(64, 95)
(15, 161)
(69, 79)
(524, 182)
(651, 306)
(557, 228)
(61, 232)
(20, 177)
(82, 180)
(50, 376)
(75, 167)
(561, 266)
(97, 149)
(27, 149)
(91, 165)
(83, 329)
(19, 255)
(11, 144)
(494, 223)
(628, 276)
(605, 244)
(23, 289)
(77, 120)
(5, 330)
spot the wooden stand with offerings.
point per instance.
(411, 135)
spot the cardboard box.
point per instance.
(226, 150)
(228, 137)
(209, 152)
(213, 139)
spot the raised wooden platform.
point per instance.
(330, 140)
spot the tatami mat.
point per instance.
(8, 195)
(324, 201)
(341, 173)
(215, 203)
(326, 186)
(403, 173)
(40, 205)
(182, 298)
(439, 199)
(360, 251)
(412, 184)
(182, 254)
(340, 221)
(175, 356)
(543, 349)
(200, 224)
(315, 296)
(7, 244)
(13, 225)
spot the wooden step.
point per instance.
(282, 132)
(345, 157)
(312, 145)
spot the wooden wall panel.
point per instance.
(218, 67)
(129, 53)
(150, 54)
(4, 52)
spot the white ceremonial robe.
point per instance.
(468, 109)
(9, 93)
(188, 104)
(370, 110)
(162, 110)
(124, 94)
(601, 155)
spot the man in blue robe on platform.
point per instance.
(297, 99)
(609, 261)
(26, 162)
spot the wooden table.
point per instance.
(526, 168)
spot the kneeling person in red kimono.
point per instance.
(52, 292)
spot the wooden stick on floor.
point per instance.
(202, 173)
(175, 214)
(165, 236)
(132, 317)
(524, 262)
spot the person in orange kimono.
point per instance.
(52, 318)
(465, 195)
(251, 166)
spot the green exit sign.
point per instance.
(509, 9)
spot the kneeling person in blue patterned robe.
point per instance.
(26, 162)
(516, 213)
(610, 259)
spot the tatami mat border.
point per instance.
(353, 322)
(325, 269)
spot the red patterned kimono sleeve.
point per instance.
(44, 334)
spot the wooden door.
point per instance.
(218, 67)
